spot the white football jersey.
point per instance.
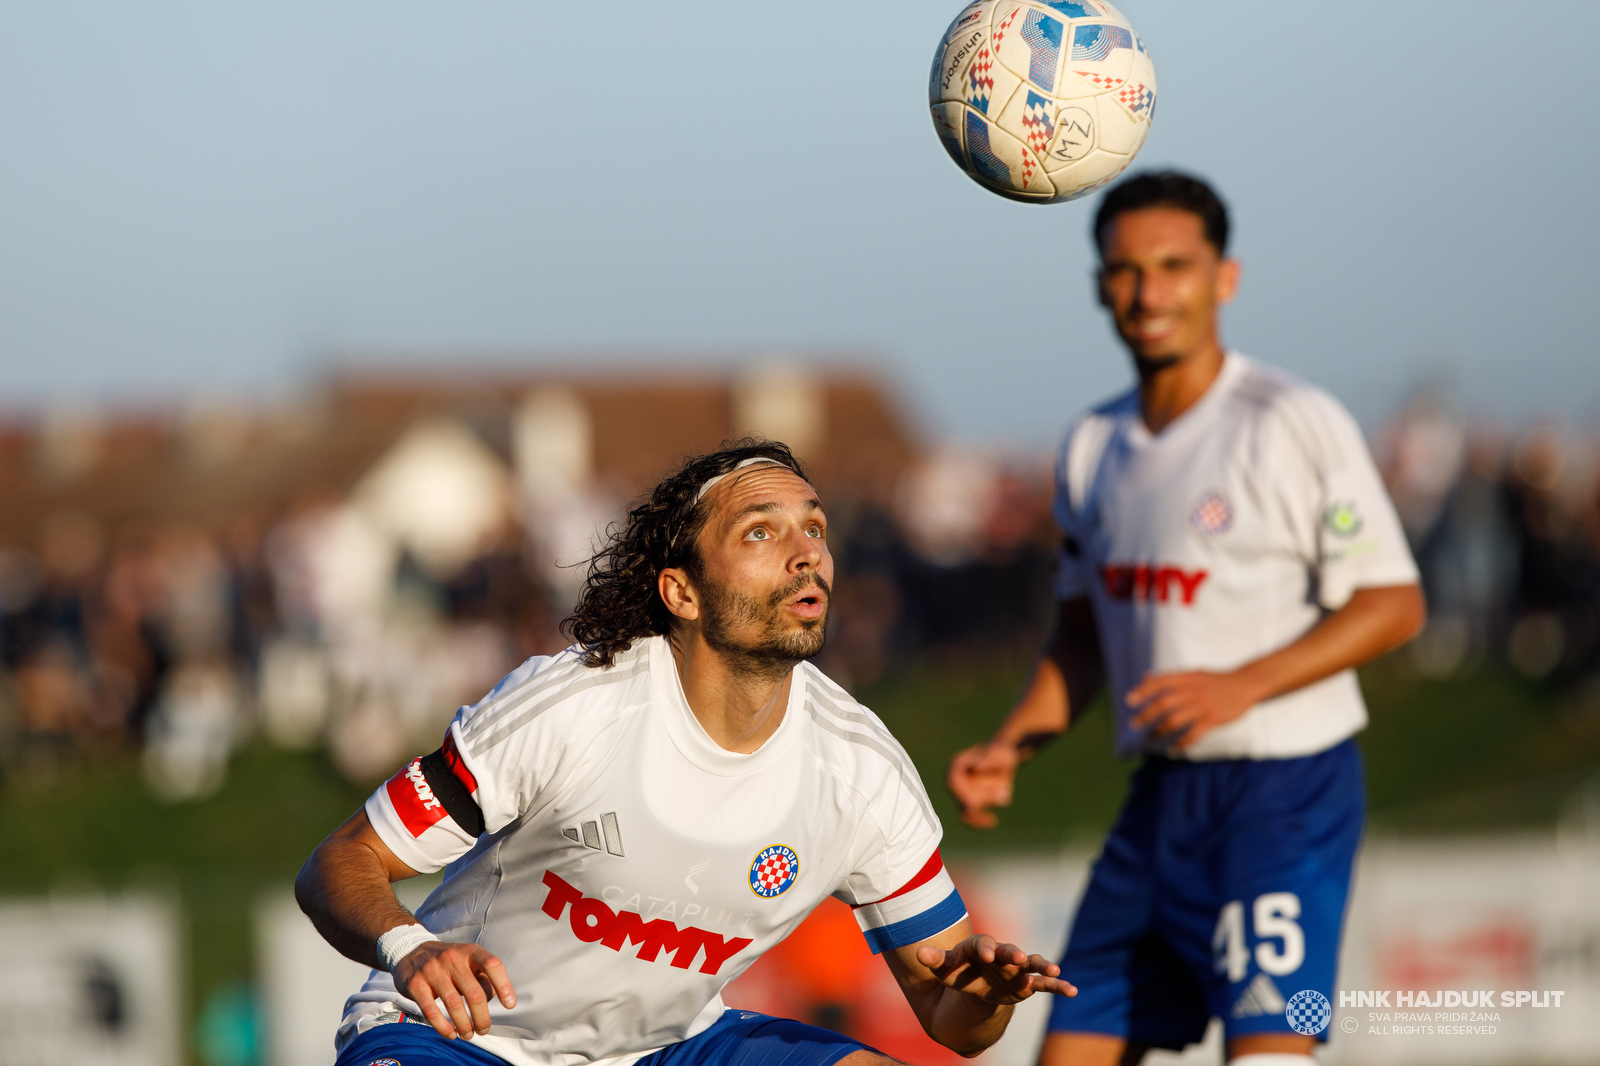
(626, 867)
(1221, 539)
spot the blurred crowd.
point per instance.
(184, 642)
(336, 623)
(1506, 529)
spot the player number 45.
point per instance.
(1273, 915)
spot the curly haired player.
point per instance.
(629, 824)
(1229, 555)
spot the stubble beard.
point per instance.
(1148, 366)
(777, 648)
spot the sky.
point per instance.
(233, 198)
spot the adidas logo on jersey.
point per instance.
(1259, 997)
(1152, 582)
(588, 833)
(593, 920)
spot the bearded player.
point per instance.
(1229, 556)
(629, 824)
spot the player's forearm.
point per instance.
(1064, 680)
(344, 889)
(1374, 621)
(965, 1023)
(1043, 712)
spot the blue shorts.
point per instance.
(1220, 893)
(738, 1038)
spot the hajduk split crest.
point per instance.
(774, 870)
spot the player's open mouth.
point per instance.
(810, 603)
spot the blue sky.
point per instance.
(230, 197)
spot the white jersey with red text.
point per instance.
(626, 867)
(1221, 539)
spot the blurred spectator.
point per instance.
(1506, 529)
(1424, 449)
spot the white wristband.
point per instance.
(399, 942)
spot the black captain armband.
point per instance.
(452, 792)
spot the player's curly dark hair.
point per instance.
(1165, 188)
(619, 603)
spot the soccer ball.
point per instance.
(1042, 100)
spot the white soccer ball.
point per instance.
(1042, 100)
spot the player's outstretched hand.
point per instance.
(981, 777)
(1183, 707)
(462, 977)
(995, 973)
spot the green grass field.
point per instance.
(1487, 753)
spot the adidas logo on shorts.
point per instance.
(1259, 997)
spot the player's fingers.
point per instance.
(1162, 707)
(979, 818)
(998, 759)
(1152, 683)
(1183, 716)
(1040, 965)
(933, 958)
(1195, 731)
(966, 761)
(444, 979)
(981, 791)
(473, 993)
(1058, 985)
(970, 791)
(1150, 694)
(456, 1008)
(420, 989)
(495, 971)
(1148, 717)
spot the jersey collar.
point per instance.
(690, 737)
(1233, 370)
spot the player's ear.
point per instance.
(677, 593)
(1227, 280)
(1100, 293)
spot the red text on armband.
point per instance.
(419, 809)
(452, 759)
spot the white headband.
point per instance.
(705, 486)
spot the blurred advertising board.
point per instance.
(304, 981)
(89, 981)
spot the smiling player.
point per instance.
(1229, 555)
(629, 824)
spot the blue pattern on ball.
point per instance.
(1043, 35)
(984, 162)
